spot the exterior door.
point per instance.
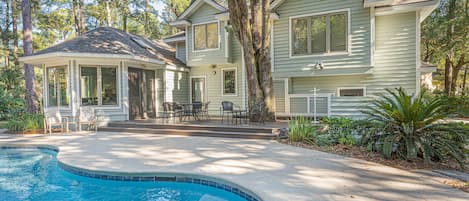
(198, 89)
(135, 109)
(141, 94)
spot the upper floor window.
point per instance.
(319, 34)
(57, 82)
(206, 36)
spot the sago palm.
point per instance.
(411, 129)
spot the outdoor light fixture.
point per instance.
(319, 65)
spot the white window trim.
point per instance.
(205, 87)
(193, 36)
(99, 86)
(223, 81)
(46, 87)
(340, 88)
(349, 35)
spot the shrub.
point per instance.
(410, 129)
(300, 129)
(25, 122)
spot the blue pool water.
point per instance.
(34, 174)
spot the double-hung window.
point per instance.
(206, 36)
(98, 85)
(319, 34)
(57, 83)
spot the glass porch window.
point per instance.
(206, 36)
(89, 86)
(109, 86)
(98, 85)
(57, 83)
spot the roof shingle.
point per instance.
(107, 40)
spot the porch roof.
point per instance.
(107, 42)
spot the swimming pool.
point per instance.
(34, 174)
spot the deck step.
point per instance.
(192, 132)
(217, 128)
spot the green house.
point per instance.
(344, 50)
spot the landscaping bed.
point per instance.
(402, 131)
(364, 154)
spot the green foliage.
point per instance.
(300, 129)
(11, 93)
(456, 105)
(410, 128)
(25, 122)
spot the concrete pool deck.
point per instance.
(273, 171)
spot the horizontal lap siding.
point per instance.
(360, 35)
(206, 14)
(325, 84)
(279, 89)
(176, 86)
(395, 54)
(181, 51)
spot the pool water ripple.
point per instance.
(34, 174)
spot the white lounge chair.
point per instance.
(54, 121)
(87, 117)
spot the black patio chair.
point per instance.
(227, 107)
(196, 109)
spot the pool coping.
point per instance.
(200, 179)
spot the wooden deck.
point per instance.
(208, 128)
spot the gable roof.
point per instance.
(111, 41)
(276, 3)
(195, 4)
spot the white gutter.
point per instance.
(89, 55)
(389, 10)
(177, 39)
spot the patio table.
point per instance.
(240, 114)
(187, 111)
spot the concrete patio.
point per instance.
(274, 171)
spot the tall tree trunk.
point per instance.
(6, 36)
(125, 13)
(456, 68)
(448, 75)
(82, 17)
(146, 16)
(76, 16)
(108, 13)
(253, 32)
(32, 103)
(14, 18)
(464, 90)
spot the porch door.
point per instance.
(141, 94)
(198, 89)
